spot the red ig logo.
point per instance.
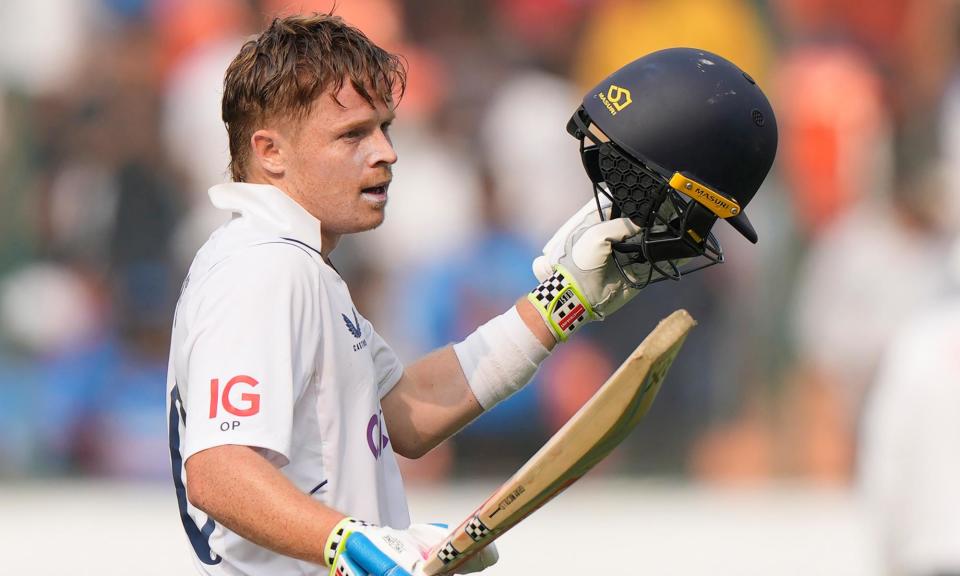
(251, 401)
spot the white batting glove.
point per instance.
(356, 548)
(579, 281)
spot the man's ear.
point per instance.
(269, 148)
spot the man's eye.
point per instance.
(351, 135)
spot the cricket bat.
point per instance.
(596, 429)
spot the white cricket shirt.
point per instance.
(269, 351)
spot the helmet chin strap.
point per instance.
(676, 237)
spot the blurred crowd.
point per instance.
(110, 135)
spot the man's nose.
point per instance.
(382, 151)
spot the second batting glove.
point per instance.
(356, 548)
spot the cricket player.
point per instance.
(286, 408)
(908, 461)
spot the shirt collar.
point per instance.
(272, 209)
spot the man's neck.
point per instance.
(329, 242)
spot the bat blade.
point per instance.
(592, 433)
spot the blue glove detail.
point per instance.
(370, 559)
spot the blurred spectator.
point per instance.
(42, 42)
(865, 275)
(109, 159)
(535, 163)
(183, 27)
(99, 401)
(867, 185)
(950, 141)
(909, 461)
(912, 42)
(45, 309)
(18, 412)
(834, 129)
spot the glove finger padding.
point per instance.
(587, 215)
(542, 268)
(593, 247)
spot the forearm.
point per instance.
(241, 490)
(435, 398)
(430, 403)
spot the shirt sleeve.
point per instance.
(251, 350)
(388, 367)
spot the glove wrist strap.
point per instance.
(561, 304)
(335, 540)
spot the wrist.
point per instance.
(561, 304)
(337, 535)
(535, 322)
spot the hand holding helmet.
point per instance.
(579, 258)
(673, 142)
(578, 282)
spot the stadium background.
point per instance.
(752, 459)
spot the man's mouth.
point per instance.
(376, 193)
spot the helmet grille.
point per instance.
(636, 190)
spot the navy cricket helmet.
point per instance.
(676, 140)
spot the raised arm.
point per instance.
(441, 393)
(433, 399)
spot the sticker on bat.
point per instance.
(448, 553)
(508, 500)
(476, 529)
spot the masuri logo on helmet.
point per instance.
(687, 152)
(616, 99)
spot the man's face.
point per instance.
(338, 163)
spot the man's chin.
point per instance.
(371, 223)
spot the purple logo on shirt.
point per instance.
(377, 438)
